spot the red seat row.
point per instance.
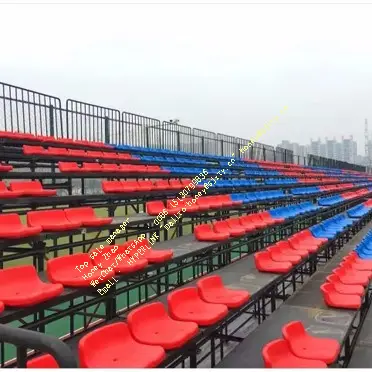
(145, 185)
(62, 151)
(151, 329)
(112, 168)
(235, 226)
(299, 349)
(345, 288)
(41, 138)
(24, 188)
(202, 204)
(11, 226)
(21, 286)
(5, 167)
(282, 256)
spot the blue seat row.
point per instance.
(168, 159)
(281, 181)
(236, 183)
(293, 210)
(250, 197)
(331, 227)
(330, 200)
(358, 211)
(364, 248)
(305, 190)
(194, 171)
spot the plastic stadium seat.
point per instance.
(145, 185)
(5, 193)
(5, 167)
(117, 349)
(91, 167)
(1, 307)
(162, 185)
(124, 156)
(68, 166)
(42, 361)
(130, 186)
(351, 276)
(193, 208)
(297, 243)
(110, 168)
(277, 255)
(268, 219)
(236, 223)
(57, 151)
(62, 270)
(223, 227)
(34, 150)
(265, 263)
(255, 220)
(30, 188)
(345, 288)
(286, 249)
(154, 255)
(150, 324)
(175, 184)
(11, 227)
(360, 265)
(205, 233)
(21, 286)
(77, 153)
(225, 200)
(153, 208)
(155, 169)
(94, 154)
(86, 217)
(213, 201)
(306, 346)
(277, 354)
(109, 187)
(118, 260)
(51, 220)
(335, 299)
(212, 290)
(185, 304)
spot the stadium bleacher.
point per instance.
(230, 244)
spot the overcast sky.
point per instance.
(224, 68)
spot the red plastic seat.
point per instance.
(30, 188)
(123, 156)
(268, 219)
(247, 223)
(5, 168)
(62, 270)
(212, 290)
(223, 227)
(130, 186)
(68, 166)
(205, 233)
(193, 208)
(360, 265)
(306, 346)
(77, 153)
(94, 154)
(91, 167)
(212, 201)
(335, 299)
(345, 288)
(145, 185)
(138, 168)
(175, 184)
(86, 217)
(156, 169)
(51, 220)
(296, 243)
(122, 265)
(255, 220)
(348, 276)
(203, 204)
(265, 263)
(57, 151)
(277, 255)
(277, 354)
(155, 255)
(150, 324)
(162, 185)
(110, 168)
(21, 286)
(34, 150)
(112, 187)
(11, 227)
(286, 249)
(5, 193)
(2, 307)
(308, 238)
(109, 155)
(155, 207)
(236, 223)
(225, 200)
(42, 361)
(117, 349)
(185, 304)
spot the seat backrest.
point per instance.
(153, 206)
(178, 298)
(77, 214)
(68, 263)
(95, 154)
(9, 219)
(274, 350)
(3, 186)
(92, 166)
(293, 330)
(35, 218)
(145, 315)
(77, 152)
(18, 275)
(202, 228)
(65, 166)
(208, 283)
(25, 186)
(57, 150)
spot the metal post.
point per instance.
(107, 130)
(51, 120)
